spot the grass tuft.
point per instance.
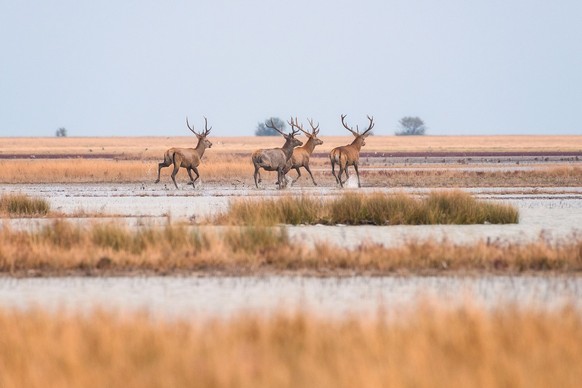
(23, 205)
(256, 239)
(439, 207)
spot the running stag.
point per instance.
(301, 154)
(349, 155)
(189, 158)
(275, 159)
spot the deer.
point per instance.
(300, 157)
(275, 159)
(349, 155)
(189, 158)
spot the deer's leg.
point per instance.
(341, 170)
(197, 175)
(257, 174)
(160, 166)
(298, 175)
(189, 169)
(282, 179)
(176, 168)
(309, 171)
(357, 174)
(192, 180)
(347, 175)
(333, 172)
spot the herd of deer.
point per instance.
(292, 155)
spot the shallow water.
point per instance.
(169, 297)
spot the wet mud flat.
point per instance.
(551, 213)
(171, 297)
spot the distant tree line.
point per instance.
(411, 126)
(407, 126)
(263, 130)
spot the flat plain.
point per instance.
(145, 270)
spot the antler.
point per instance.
(272, 125)
(348, 128)
(189, 127)
(295, 124)
(370, 126)
(314, 129)
(206, 129)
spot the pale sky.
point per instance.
(131, 68)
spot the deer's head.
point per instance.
(201, 135)
(360, 137)
(290, 137)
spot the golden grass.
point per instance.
(111, 171)
(23, 205)
(239, 170)
(154, 147)
(429, 346)
(444, 207)
(106, 249)
(560, 176)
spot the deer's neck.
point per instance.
(200, 148)
(287, 149)
(357, 143)
(309, 146)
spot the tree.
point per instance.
(263, 130)
(411, 126)
(61, 132)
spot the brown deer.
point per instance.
(301, 154)
(349, 155)
(189, 158)
(275, 159)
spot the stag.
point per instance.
(301, 154)
(349, 155)
(275, 159)
(189, 158)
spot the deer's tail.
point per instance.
(169, 157)
(336, 156)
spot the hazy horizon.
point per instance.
(138, 68)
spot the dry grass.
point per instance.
(136, 158)
(110, 171)
(561, 176)
(239, 170)
(109, 249)
(451, 207)
(154, 147)
(22, 205)
(426, 347)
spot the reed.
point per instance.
(105, 249)
(23, 205)
(439, 207)
(427, 346)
